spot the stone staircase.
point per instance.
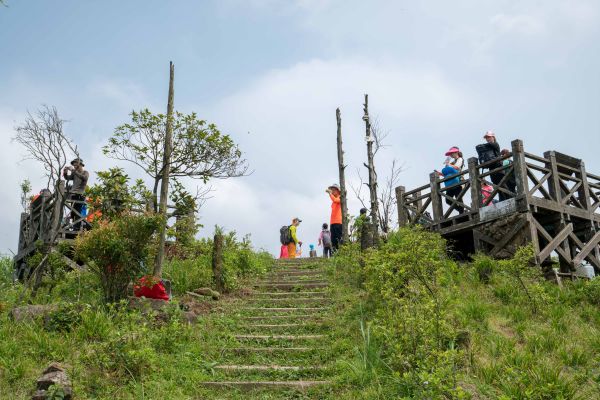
(280, 334)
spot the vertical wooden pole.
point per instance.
(371, 167)
(217, 261)
(402, 217)
(341, 169)
(166, 170)
(476, 197)
(436, 200)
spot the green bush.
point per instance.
(117, 251)
(484, 267)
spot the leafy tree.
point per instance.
(200, 150)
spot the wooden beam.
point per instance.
(585, 250)
(555, 243)
(508, 237)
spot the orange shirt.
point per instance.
(336, 210)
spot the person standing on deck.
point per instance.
(335, 222)
(494, 146)
(294, 235)
(79, 176)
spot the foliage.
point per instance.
(200, 150)
(185, 228)
(25, 187)
(117, 251)
(112, 195)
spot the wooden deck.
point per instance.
(554, 206)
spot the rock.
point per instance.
(31, 312)
(208, 292)
(146, 305)
(56, 377)
(189, 317)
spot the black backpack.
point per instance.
(285, 236)
(486, 153)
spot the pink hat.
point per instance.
(489, 134)
(452, 150)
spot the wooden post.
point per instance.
(402, 217)
(584, 190)
(166, 170)
(341, 169)
(476, 197)
(371, 167)
(520, 171)
(554, 180)
(57, 212)
(217, 261)
(436, 199)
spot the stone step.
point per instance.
(275, 337)
(291, 286)
(274, 326)
(295, 300)
(291, 281)
(272, 349)
(253, 385)
(298, 272)
(266, 368)
(284, 309)
(287, 294)
(284, 317)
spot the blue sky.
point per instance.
(272, 72)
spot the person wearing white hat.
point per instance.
(492, 144)
(79, 176)
(335, 221)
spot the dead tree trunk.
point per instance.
(371, 167)
(166, 170)
(342, 168)
(217, 262)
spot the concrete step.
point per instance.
(276, 337)
(254, 385)
(291, 286)
(240, 350)
(297, 272)
(312, 318)
(290, 300)
(284, 309)
(266, 295)
(266, 368)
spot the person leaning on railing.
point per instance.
(79, 176)
(494, 152)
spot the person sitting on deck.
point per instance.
(79, 176)
(511, 181)
(453, 166)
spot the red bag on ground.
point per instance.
(147, 288)
(284, 252)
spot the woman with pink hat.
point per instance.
(452, 166)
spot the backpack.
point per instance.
(486, 153)
(285, 236)
(327, 239)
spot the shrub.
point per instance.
(484, 267)
(117, 251)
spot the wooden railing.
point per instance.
(555, 181)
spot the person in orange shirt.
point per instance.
(335, 222)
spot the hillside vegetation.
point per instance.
(409, 323)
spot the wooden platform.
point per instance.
(550, 201)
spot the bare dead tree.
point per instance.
(387, 197)
(370, 138)
(43, 138)
(342, 174)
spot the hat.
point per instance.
(298, 219)
(335, 186)
(489, 134)
(453, 149)
(78, 160)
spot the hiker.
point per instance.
(487, 152)
(335, 222)
(486, 193)
(312, 252)
(453, 166)
(511, 181)
(79, 176)
(325, 241)
(294, 242)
